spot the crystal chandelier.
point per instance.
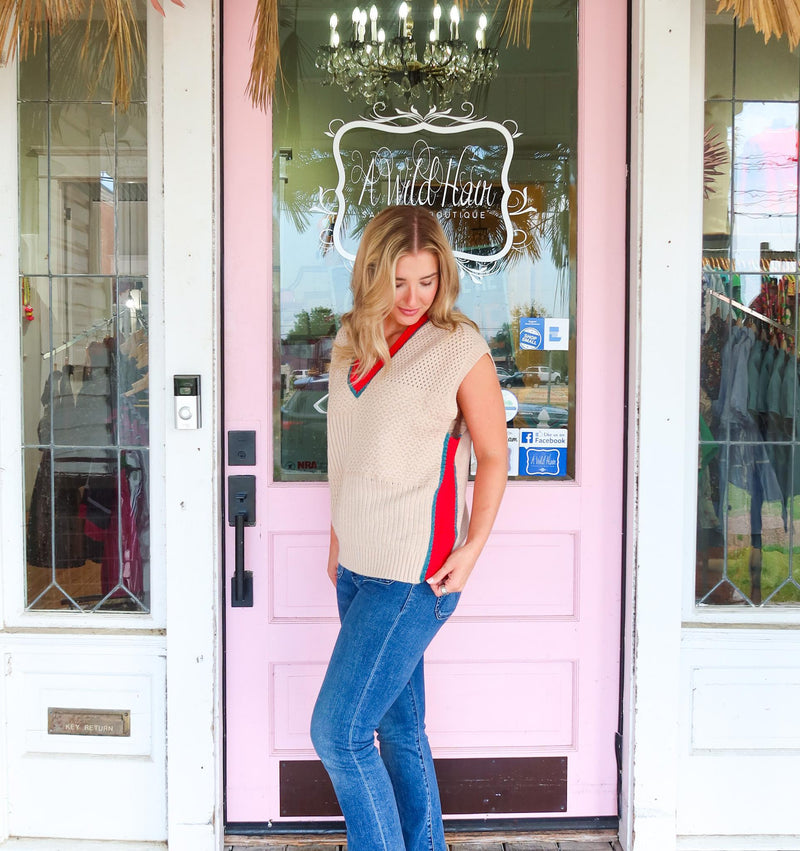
(380, 70)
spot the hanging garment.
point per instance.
(748, 465)
(54, 532)
(711, 356)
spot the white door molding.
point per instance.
(666, 235)
(191, 311)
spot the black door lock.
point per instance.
(241, 513)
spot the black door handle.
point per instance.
(241, 513)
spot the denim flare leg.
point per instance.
(375, 681)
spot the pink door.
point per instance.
(523, 681)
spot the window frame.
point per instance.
(12, 536)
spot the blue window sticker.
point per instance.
(531, 333)
(534, 461)
(556, 335)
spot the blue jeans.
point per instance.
(375, 681)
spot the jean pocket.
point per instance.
(339, 572)
(377, 580)
(446, 605)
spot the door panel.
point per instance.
(527, 669)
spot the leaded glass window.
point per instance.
(748, 516)
(84, 291)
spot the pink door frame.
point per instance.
(583, 518)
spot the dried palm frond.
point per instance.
(265, 41)
(124, 44)
(770, 17)
(517, 20)
(715, 155)
(23, 21)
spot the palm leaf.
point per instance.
(266, 53)
(770, 17)
(715, 155)
(24, 22)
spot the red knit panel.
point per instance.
(444, 512)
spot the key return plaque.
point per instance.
(88, 722)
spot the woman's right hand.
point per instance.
(333, 557)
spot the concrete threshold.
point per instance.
(559, 840)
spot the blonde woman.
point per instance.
(412, 386)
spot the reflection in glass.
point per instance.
(66, 498)
(746, 483)
(82, 189)
(719, 56)
(518, 270)
(83, 259)
(765, 71)
(78, 72)
(764, 181)
(33, 188)
(718, 144)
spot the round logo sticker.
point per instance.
(511, 403)
(531, 338)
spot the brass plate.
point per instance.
(88, 722)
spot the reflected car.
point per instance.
(304, 427)
(542, 375)
(512, 379)
(530, 416)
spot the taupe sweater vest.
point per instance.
(397, 473)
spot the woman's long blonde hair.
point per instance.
(392, 234)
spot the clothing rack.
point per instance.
(754, 313)
(101, 325)
(768, 256)
(724, 263)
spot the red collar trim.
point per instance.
(359, 386)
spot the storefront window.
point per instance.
(749, 451)
(84, 293)
(495, 161)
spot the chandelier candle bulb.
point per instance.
(437, 14)
(362, 25)
(454, 21)
(334, 34)
(403, 17)
(381, 42)
(373, 19)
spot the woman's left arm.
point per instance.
(481, 403)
